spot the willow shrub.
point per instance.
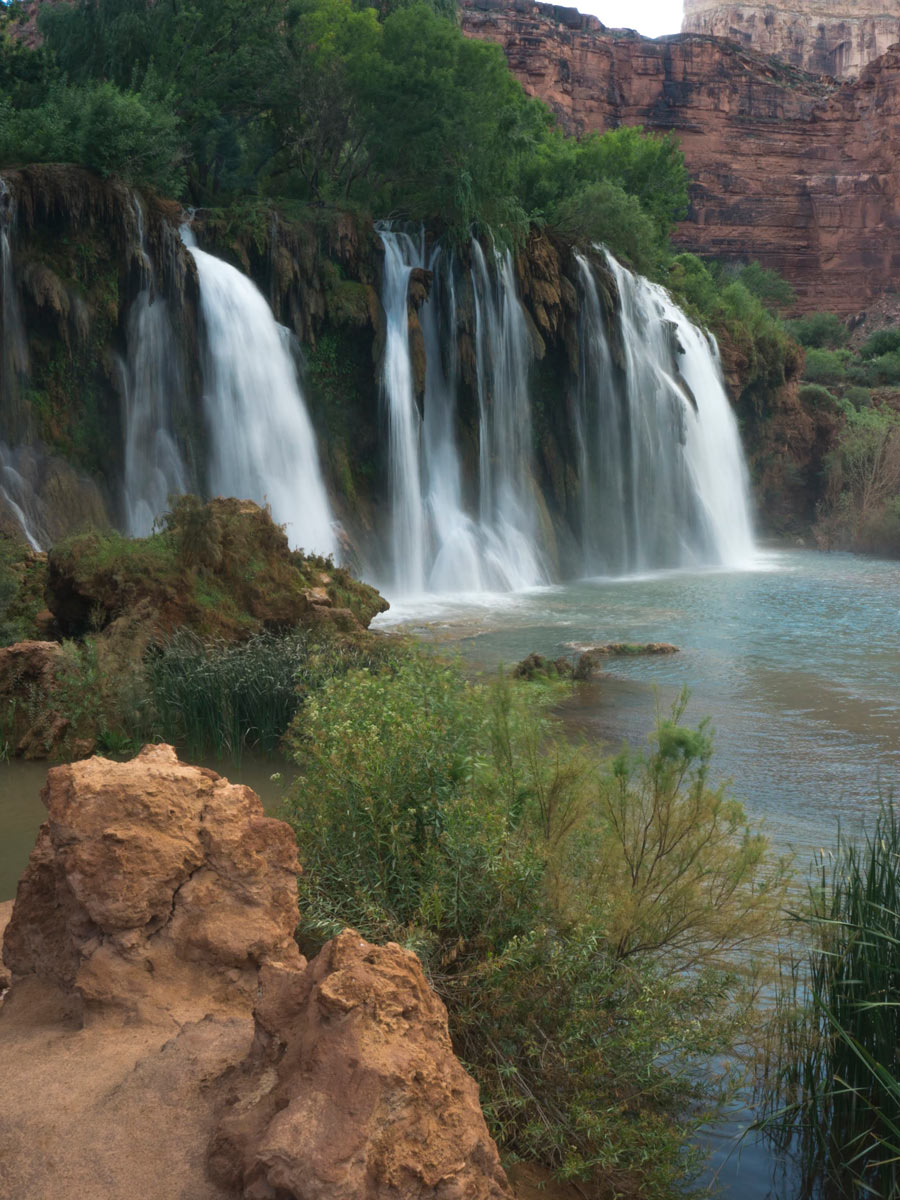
(833, 1086)
(455, 819)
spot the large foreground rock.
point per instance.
(151, 885)
(355, 1090)
(156, 913)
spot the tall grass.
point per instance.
(833, 1085)
(217, 697)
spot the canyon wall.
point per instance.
(828, 36)
(789, 168)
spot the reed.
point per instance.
(221, 698)
(832, 1089)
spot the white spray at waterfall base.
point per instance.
(262, 445)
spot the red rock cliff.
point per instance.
(789, 168)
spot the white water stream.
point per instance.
(261, 441)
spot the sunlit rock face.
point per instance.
(833, 37)
(790, 168)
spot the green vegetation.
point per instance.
(551, 898)
(819, 331)
(731, 302)
(22, 578)
(833, 1088)
(329, 103)
(216, 697)
(861, 508)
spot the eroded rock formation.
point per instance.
(832, 37)
(789, 168)
(355, 1090)
(156, 911)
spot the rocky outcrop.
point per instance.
(831, 37)
(355, 1090)
(788, 168)
(151, 882)
(157, 911)
(231, 549)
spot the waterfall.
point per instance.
(151, 378)
(405, 483)
(13, 347)
(18, 470)
(662, 474)
(262, 444)
(436, 544)
(508, 518)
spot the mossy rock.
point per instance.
(222, 569)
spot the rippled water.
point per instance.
(796, 662)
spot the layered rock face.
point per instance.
(161, 1035)
(788, 168)
(828, 36)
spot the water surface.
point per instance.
(796, 661)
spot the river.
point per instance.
(796, 661)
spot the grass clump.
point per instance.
(833, 1088)
(574, 915)
(219, 697)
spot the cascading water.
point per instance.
(407, 515)
(662, 473)
(154, 468)
(13, 347)
(262, 444)
(509, 520)
(18, 469)
(436, 545)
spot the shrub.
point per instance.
(862, 478)
(819, 331)
(859, 397)
(114, 132)
(883, 341)
(826, 366)
(603, 212)
(816, 396)
(455, 819)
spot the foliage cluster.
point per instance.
(21, 590)
(217, 697)
(833, 1082)
(861, 506)
(328, 102)
(741, 306)
(575, 916)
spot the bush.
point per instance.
(826, 366)
(883, 341)
(819, 331)
(223, 697)
(859, 397)
(603, 212)
(455, 819)
(862, 478)
(816, 396)
(97, 125)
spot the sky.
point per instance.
(650, 17)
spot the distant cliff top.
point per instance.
(834, 37)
